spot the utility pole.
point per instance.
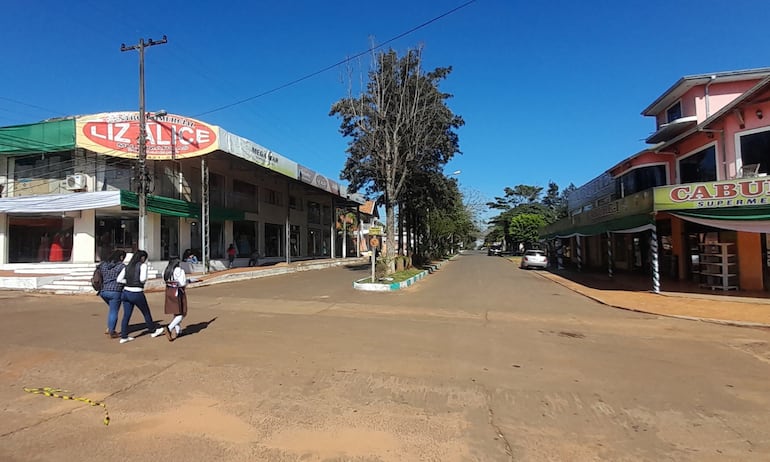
(142, 139)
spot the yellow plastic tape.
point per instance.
(64, 394)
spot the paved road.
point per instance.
(478, 362)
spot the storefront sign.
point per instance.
(601, 186)
(254, 153)
(308, 176)
(168, 137)
(715, 194)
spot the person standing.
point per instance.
(231, 252)
(133, 277)
(176, 297)
(112, 290)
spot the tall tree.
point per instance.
(398, 125)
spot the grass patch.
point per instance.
(399, 276)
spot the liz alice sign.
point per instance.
(168, 137)
(716, 194)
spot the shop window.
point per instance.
(245, 234)
(115, 233)
(755, 149)
(314, 242)
(39, 239)
(294, 233)
(273, 240)
(698, 167)
(169, 237)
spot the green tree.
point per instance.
(525, 228)
(400, 124)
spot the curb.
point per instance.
(724, 322)
(379, 287)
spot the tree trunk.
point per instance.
(390, 232)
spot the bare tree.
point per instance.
(398, 125)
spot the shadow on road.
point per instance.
(197, 327)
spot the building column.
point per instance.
(83, 239)
(654, 259)
(3, 238)
(153, 236)
(184, 235)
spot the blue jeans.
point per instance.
(131, 299)
(113, 299)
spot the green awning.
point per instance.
(614, 226)
(178, 208)
(51, 136)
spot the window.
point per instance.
(273, 240)
(41, 174)
(294, 203)
(701, 166)
(273, 197)
(641, 179)
(755, 149)
(674, 112)
(216, 190)
(244, 196)
(169, 179)
(314, 213)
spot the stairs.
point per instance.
(57, 278)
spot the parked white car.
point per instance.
(534, 259)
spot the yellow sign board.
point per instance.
(375, 231)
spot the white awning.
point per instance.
(56, 203)
(748, 226)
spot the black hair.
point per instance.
(136, 259)
(117, 256)
(168, 273)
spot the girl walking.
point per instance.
(133, 278)
(112, 290)
(176, 297)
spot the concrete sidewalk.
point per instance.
(682, 300)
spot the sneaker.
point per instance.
(114, 335)
(158, 332)
(126, 340)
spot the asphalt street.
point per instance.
(479, 361)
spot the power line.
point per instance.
(346, 60)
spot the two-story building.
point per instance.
(69, 193)
(694, 205)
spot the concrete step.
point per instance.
(67, 289)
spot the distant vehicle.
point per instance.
(534, 259)
(495, 249)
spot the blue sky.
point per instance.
(550, 91)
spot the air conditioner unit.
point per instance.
(76, 182)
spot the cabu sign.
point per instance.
(167, 137)
(732, 193)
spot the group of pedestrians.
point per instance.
(124, 284)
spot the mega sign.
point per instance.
(733, 193)
(167, 137)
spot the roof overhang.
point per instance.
(744, 99)
(684, 84)
(672, 129)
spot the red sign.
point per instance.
(167, 137)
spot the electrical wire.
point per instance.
(339, 63)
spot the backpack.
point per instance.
(97, 281)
